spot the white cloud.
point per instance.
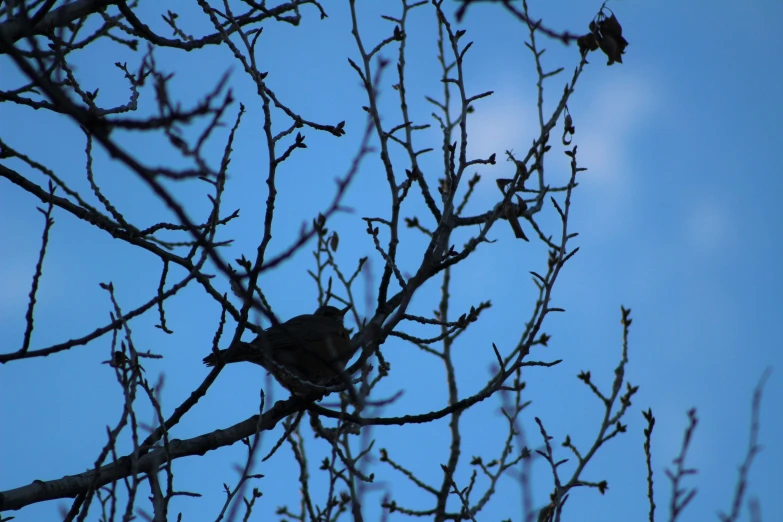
(607, 122)
(504, 124)
(707, 228)
(15, 280)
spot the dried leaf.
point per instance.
(606, 33)
(611, 48)
(511, 216)
(612, 25)
(502, 183)
(587, 43)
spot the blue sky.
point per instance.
(678, 218)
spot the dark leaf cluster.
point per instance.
(605, 33)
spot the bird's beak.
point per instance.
(342, 312)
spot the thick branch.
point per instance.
(72, 485)
(16, 28)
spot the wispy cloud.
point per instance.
(609, 118)
(504, 123)
(607, 122)
(15, 279)
(707, 227)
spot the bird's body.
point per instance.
(312, 347)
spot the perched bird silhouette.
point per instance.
(312, 347)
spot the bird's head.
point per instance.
(332, 312)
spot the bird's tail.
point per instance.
(239, 353)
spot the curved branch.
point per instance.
(17, 28)
(73, 485)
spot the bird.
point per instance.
(312, 347)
